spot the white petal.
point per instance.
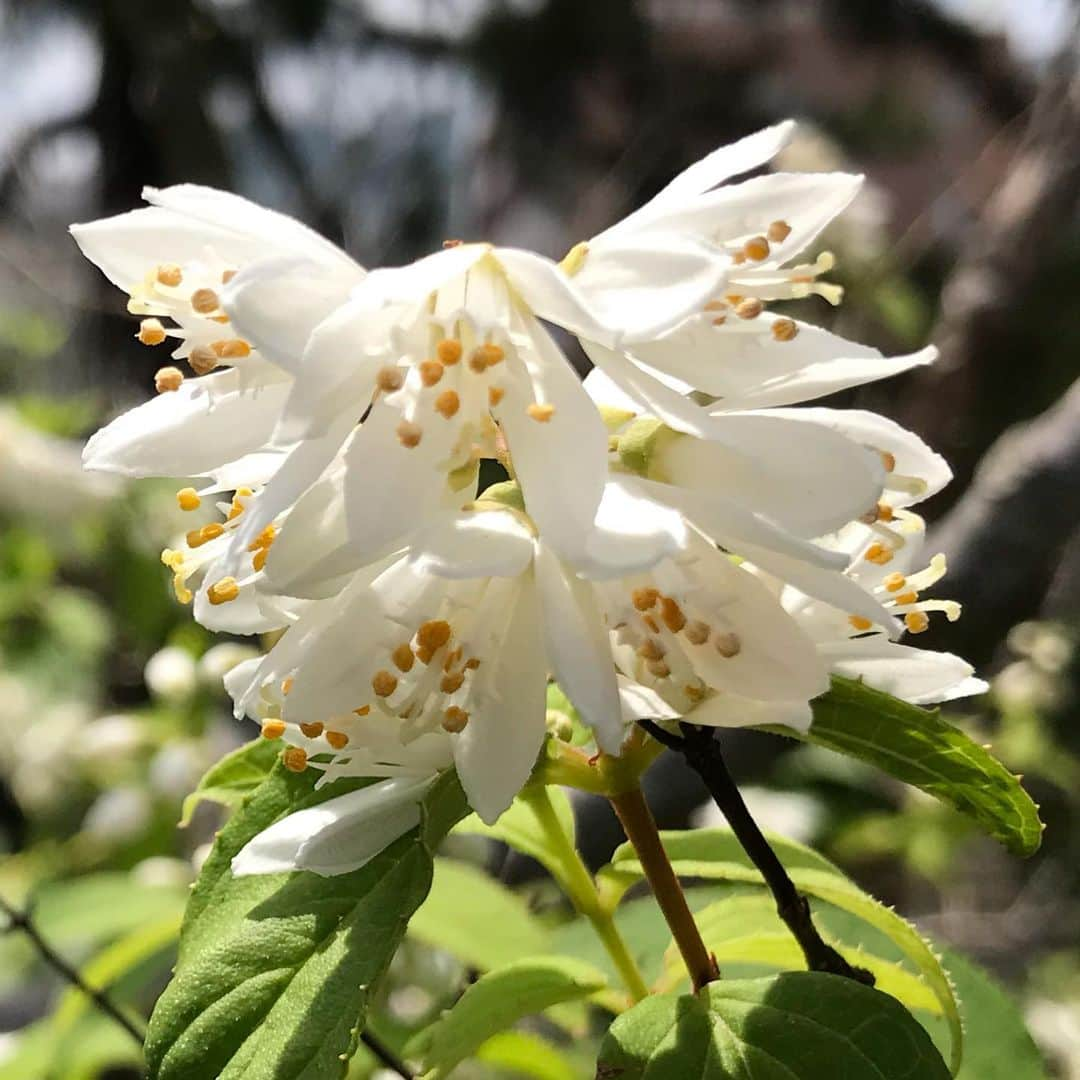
(498, 748)
(339, 835)
(641, 703)
(913, 457)
(916, 675)
(192, 431)
(410, 284)
(805, 477)
(473, 544)
(561, 463)
(245, 615)
(238, 682)
(732, 711)
(713, 169)
(578, 649)
(277, 303)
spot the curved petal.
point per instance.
(277, 303)
(578, 648)
(474, 544)
(339, 835)
(498, 748)
(642, 703)
(411, 283)
(732, 711)
(206, 424)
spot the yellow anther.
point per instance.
(168, 380)
(433, 635)
(431, 371)
(485, 356)
(264, 539)
(383, 682)
(472, 663)
(172, 558)
(888, 460)
(574, 259)
(204, 301)
(448, 403)
(236, 508)
(756, 249)
(312, 730)
(657, 668)
(894, 582)
(495, 395)
(338, 740)
(181, 591)
(273, 729)
(738, 258)
(389, 379)
(363, 710)
(231, 348)
(715, 305)
(885, 512)
(202, 359)
(750, 308)
(151, 332)
(287, 685)
(778, 231)
(188, 499)
(169, 274)
(198, 537)
(697, 632)
(734, 298)
(447, 244)
(879, 554)
(672, 614)
(258, 560)
(454, 719)
(784, 329)
(223, 591)
(409, 434)
(294, 759)
(727, 644)
(448, 351)
(694, 692)
(541, 412)
(403, 657)
(860, 622)
(227, 276)
(916, 621)
(451, 682)
(651, 649)
(906, 598)
(645, 599)
(651, 623)
(719, 320)
(451, 659)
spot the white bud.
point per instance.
(162, 870)
(118, 814)
(218, 661)
(170, 674)
(175, 769)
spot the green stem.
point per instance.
(579, 886)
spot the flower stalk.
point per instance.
(640, 827)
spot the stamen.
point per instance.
(885, 512)
(878, 554)
(223, 591)
(728, 644)
(448, 403)
(287, 685)
(433, 635)
(750, 308)
(337, 739)
(202, 359)
(383, 683)
(273, 729)
(650, 649)
(657, 668)
(294, 759)
(715, 305)
(916, 621)
(541, 413)
(188, 499)
(894, 582)
(784, 329)
(151, 332)
(697, 632)
(672, 614)
(757, 249)
(169, 274)
(448, 351)
(645, 599)
(363, 710)
(454, 719)
(574, 259)
(205, 301)
(390, 379)
(888, 460)
(906, 598)
(431, 371)
(485, 356)
(778, 231)
(168, 380)
(452, 682)
(197, 537)
(409, 434)
(231, 348)
(312, 730)
(860, 622)
(495, 395)
(227, 276)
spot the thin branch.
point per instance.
(702, 753)
(22, 921)
(386, 1056)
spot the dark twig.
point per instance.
(386, 1056)
(22, 921)
(702, 753)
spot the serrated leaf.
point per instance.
(716, 854)
(232, 778)
(797, 1026)
(917, 746)
(476, 919)
(497, 1000)
(275, 971)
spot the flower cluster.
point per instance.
(672, 538)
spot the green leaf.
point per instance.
(232, 778)
(275, 971)
(498, 1000)
(476, 919)
(520, 829)
(798, 1026)
(918, 747)
(716, 854)
(747, 930)
(528, 1055)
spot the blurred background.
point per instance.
(391, 125)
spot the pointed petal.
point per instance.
(412, 283)
(641, 703)
(732, 711)
(473, 544)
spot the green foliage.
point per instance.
(526, 1055)
(275, 972)
(476, 919)
(715, 854)
(799, 1026)
(234, 777)
(497, 1001)
(920, 748)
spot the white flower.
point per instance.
(170, 674)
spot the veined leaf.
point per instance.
(920, 748)
(798, 1026)
(476, 919)
(716, 854)
(234, 777)
(275, 971)
(498, 1000)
